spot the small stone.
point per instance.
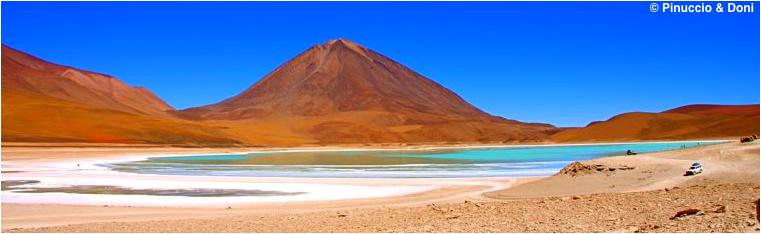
(454, 216)
(686, 212)
(720, 209)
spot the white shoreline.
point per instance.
(59, 173)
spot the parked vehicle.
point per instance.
(695, 169)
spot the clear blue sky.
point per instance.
(562, 63)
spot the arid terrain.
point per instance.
(45, 102)
(686, 122)
(629, 194)
(335, 93)
(341, 95)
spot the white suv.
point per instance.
(695, 169)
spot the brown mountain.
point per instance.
(42, 101)
(687, 122)
(341, 92)
(338, 92)
(25, 73)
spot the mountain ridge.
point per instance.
(48, 102)
(334, 93)
(696, 121)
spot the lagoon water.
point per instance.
(475, 162)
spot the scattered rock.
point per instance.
(718, 209)
(625, 168)
(686, 212)
(453, 216)
(436, 208)
(577, 168)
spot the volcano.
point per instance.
(342, 92)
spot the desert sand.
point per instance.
(641, 194)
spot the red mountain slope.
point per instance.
(687, 122)
(341, 92)
(23, 72)
(46, 102)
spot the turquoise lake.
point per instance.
(476, 162)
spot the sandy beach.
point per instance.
(640, 196)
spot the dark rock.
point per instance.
(686, 212)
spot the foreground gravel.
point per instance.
(723, 208)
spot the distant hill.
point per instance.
(687, 122)
(46, 102)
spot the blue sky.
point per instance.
(562, 63)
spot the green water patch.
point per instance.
(420, 163)
(309, 158)
(10, 184)
(117, 190)
(438, 156)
